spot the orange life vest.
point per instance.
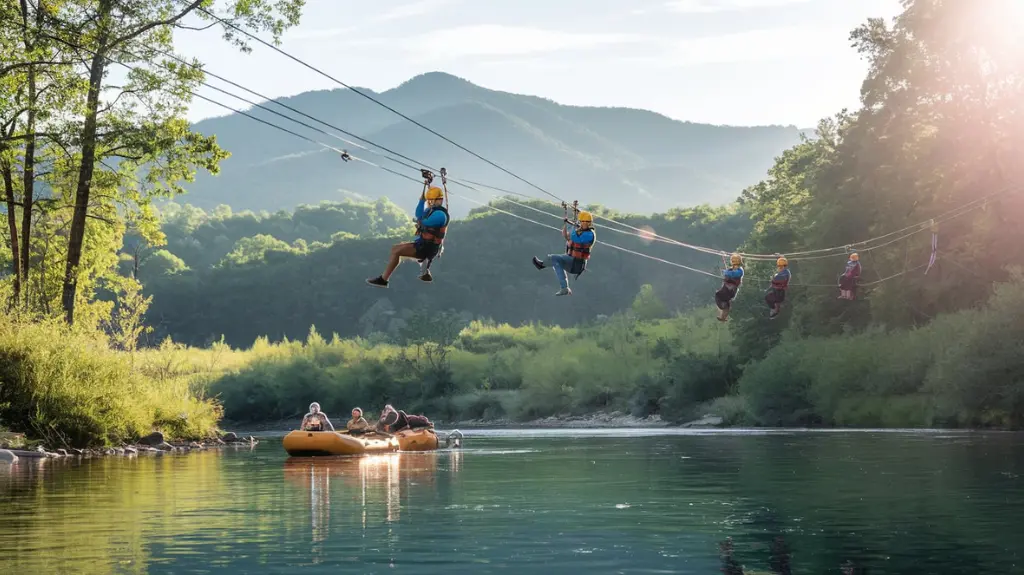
(580, 251)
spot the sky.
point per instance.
(734, 62)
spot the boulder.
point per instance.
(7, 457)
(23, 454)
(229, 437)
(153, 439)
(706, 421)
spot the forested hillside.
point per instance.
(622, 158)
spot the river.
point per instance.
(545, 501)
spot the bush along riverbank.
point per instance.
(65, 388)
(960, 370)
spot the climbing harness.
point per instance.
(433, 235)
(580, 252)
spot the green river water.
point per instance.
(521, 501)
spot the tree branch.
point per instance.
(184, 27)
(11, 67)
(146, 28)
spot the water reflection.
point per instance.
(368, 490)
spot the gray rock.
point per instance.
(155, 438)
(229, 437)
(130, 451)
(165, 447)
(7, 457)
(23, 454)
(706, 421)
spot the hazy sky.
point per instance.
(737, 62)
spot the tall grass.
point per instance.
(67, 387)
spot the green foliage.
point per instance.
(482, 274)
(962, 370)
(67, 387)
(485, 371)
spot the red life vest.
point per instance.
(780, 284)
(580, 251)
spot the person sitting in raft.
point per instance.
(577, 252)
(358, 423)
(776, 293)
(393, 421)
(316, 420)
(431, 226)
(731, 279)
(848, 281)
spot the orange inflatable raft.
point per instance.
(313, 443)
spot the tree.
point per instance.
(142, 127)
(647, 306)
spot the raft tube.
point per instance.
(421, 439)
(312, 443)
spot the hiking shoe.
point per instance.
(564, 291)
(378, 282)
(425, 276)
(537, 263)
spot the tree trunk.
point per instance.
(88, 141)
(12, 224)
(28, 183)
(29, 173)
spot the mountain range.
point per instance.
(631, 160)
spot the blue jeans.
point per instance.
(560, 263)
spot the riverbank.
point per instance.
(611, 420)
(14, 447)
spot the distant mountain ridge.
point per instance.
(632, 160)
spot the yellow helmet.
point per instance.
(854, 257)
(735, 260)
(434, 194)
(586, 217)
(782, 262)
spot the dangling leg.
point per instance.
(723, 299)
(559, 263)
(425, 274)
(398, 251)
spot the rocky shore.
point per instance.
(152, 444)
(611, 420)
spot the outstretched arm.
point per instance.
(420, 207)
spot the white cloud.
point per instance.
(709, 6)
(495, 40)
(400, 12)
(754, 45)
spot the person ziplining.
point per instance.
(849, 278)
(578, 245)
(732, 277)
(776, 293)
(431, 226)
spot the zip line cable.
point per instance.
(372, 99)
(643, 234)
(520, 178)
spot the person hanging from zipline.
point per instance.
(732, 277)
(431, 225)
(849, 278)
(578, 245)
(776, 293)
